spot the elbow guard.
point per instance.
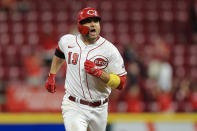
(117, 82)
(114, 81)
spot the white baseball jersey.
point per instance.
(103, 53)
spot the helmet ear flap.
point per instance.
(83, 29)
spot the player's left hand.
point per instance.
(90, 67)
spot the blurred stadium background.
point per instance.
(157, 39)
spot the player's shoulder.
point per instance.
(110, 45)
(112, 50)
(68, 37)
(66, 40)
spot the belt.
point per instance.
(84, 102)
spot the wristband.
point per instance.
(52, 75)
(114, 81)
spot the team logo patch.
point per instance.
(100, 61)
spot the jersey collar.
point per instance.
(99, 40)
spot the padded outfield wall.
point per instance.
(117, 122)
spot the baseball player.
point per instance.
(94, 67)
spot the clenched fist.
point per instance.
(50, 83)
(90, 68)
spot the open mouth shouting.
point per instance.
(92, 32)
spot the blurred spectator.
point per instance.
(193, 14)
(23, 6)
(48, 41)
(159, 67)
(14, 5)
(8, 5)
(160, 71)
(32, 65)
(134, 100)
(165, 102)
(193, 20)
(136, 74)
(135, 67)
(2, 96)
(130, 54)
(150, 96)
(181, 94)
(193, 96)
(114, 101)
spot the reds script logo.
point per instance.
(100, 61)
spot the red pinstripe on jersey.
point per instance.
(86, 59)
(79, 68)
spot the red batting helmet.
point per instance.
(84, 14)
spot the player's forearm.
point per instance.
(105, 76)
(56, 64)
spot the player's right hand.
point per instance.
(90, 68)
(50, 83)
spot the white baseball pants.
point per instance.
(79, 117)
